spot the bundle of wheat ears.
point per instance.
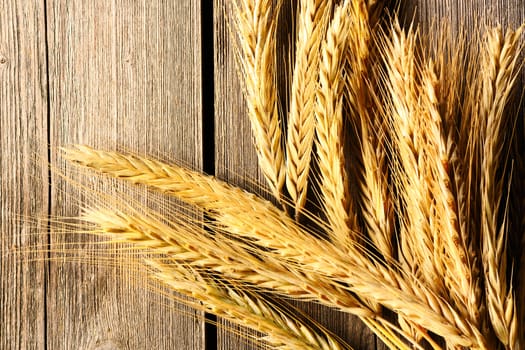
(395, 165)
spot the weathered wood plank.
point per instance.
(468, 13)
(124, 74)
(23, 180)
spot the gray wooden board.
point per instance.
(123, 74)
(23, 182)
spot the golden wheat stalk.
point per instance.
(457, 73)
(500, 62)
(373, 184)
(312, 20)
(255, 24)
(190, 244)
(281, 331)
(412, 109)
(335, 196)
(416, 238)
(453, 255)
(259, 222)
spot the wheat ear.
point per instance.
(375, 203)
(255, 24)
(501, 55)
(416, 238)
(335, 197)
(420, 246)
(454, 67)
(188, 243)
(259, 222)
(453, 254)
(241, 307)
(312, 20)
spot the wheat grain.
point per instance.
(255, 25)
(312, 20)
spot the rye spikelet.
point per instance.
(255, 23)
(312, 20)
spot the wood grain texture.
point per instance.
(467, 13)
(123, 74)
(23, 182)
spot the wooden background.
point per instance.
(154, 77)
